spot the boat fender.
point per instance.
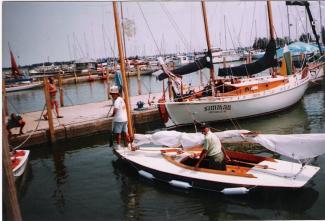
(146, 174)
(180, 184)
(235, 191)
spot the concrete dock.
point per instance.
(79, 120)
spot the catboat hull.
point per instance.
(168, 168)
(20, 162)
(233, 107)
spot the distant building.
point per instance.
(85, 64)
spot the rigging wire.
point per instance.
(250, 35)
(30, 135)
(147, 24)
(176, 27)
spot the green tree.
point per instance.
(305, 38)
(260, 43)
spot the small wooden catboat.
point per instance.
(176, 166)
(19, 161)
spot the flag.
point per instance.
(286, 66)
(170, 74)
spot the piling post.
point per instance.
(138, 79)
(61, 90)
(49, 109)
(10, 193)
(75, 76)
(224, 62)
(4, 97)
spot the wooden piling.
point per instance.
(9, 188)
(224, 62)
(4, 97)
(49, 110)
(61, 90)
(138, 80)
(75, 76)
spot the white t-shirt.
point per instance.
(120, 115)
(212, 144)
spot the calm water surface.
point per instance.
(82, 180)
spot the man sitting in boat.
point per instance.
(212, 150)
(15, 121)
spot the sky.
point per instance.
(61, 31)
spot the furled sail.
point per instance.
(199, 64)
(295, 146)
(267, 61)
(175, 138)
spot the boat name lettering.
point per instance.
(218, 107)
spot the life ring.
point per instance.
(162, 110)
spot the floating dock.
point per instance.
(80, 120)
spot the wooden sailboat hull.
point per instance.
(232, 107)
(153, 165)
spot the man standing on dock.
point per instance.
(120, 117)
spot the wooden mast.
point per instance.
(122, 64)
(212, 77)
(269, 10)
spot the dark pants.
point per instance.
(214, 163)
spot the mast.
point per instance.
(224, 24)
(212, 77)
(123, 31)
(269, 10)
(288, 24)
(122, 63)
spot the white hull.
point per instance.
(23, 87)
(278, 174)
(23, 160)
(221, 59)
(222, 108)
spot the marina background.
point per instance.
(81, 179)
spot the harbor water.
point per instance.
(82, 179)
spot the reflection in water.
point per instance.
(129, 193)
(61, 176)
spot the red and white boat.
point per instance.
(19, 161)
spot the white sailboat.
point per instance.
(235, 94)
(244, 171)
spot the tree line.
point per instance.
(261, 43)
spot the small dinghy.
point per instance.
(176, 166)
(19, 161)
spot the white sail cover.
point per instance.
(175, 138)
(296, 146)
